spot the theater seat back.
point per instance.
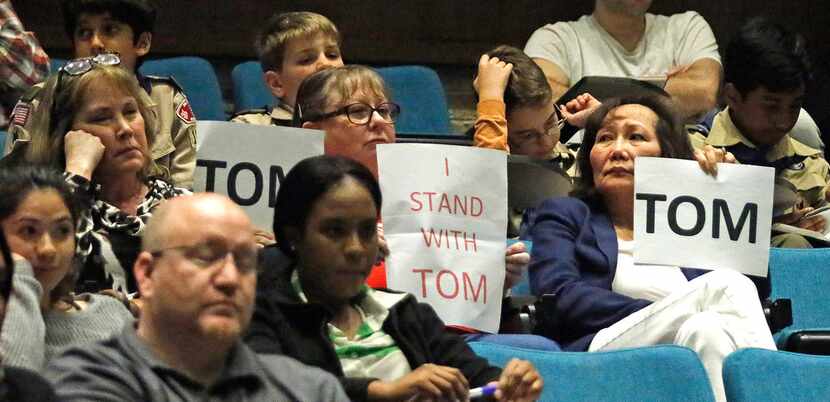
(664, 373)
(774, 376)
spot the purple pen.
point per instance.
(487, 390)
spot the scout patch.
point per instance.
(185, 112)
(20, 114)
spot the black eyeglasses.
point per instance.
(84, 64)
(361, 113)
(207, 256)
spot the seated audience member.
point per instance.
(516, 114)
(515, 109)
(292, 46)
(125, 27)
(197, 275)
(313, 303)
(17, 384)
(620, 39)
(96, 125)
(352, 105)
(766, 76)
(583, 253)
(38, 213)
(23, 62)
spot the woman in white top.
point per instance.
(583, 253)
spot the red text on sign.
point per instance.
(447, 285)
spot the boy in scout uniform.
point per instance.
(292, 46)
(766, 74)
(125, 27)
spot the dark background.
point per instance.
(447, 35)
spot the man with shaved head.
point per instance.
(197, 278)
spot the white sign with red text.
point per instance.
(445, 219)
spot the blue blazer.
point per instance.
(574, 258)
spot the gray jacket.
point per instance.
(123, 368)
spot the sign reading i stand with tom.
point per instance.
(685, 217)
(247, 162)
(445, 220)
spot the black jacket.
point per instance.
(283, 324)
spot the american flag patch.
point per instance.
(20, 114)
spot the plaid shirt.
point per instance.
(23, 62)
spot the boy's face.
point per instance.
(533, 130)
(302, 57)
(764, 117)
(99, 33)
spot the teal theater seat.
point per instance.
(665, 373)
(774, 376)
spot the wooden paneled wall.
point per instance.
(416, 31)
(432, 32)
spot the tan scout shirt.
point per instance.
(174, 149)
(802, 166)
(281, 115)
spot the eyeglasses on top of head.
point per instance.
(85, 64)
(207, 256)
(360, 113)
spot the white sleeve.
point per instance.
(554, 43)
(694, 39)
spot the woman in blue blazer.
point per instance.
(583, 253)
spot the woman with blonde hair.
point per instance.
(96, 124)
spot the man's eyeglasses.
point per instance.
(85, 64)
(361, 113)
(207, 256)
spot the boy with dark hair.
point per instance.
(292, 46)
(125, 27)
(766, 75)
(515, 108)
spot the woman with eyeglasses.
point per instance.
(38, 214)
(95, 123)
(352, 105)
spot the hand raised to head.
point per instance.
(83, 152)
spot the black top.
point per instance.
(20, 385)
(283, 324)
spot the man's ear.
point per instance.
(142, 45)
(273, 80)
(731, 95)
(143, 270)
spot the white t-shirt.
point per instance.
(583, 48)
(644, 281)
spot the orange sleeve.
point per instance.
(491, 125)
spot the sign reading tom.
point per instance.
(445, 219)
(247, 162)
(684, 217)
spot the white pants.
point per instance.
(714, 315)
